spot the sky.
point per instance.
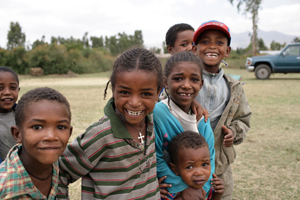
(66, 18)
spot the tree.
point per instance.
(15, 36)
(276, 46)
(96, 42)
(39, 42)
(251, 6)
(295, 40)
(261, 44)
(85, 40)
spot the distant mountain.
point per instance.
(243, 39)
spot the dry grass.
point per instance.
(268, 161)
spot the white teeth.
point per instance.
(211, 54)
(186, 95)
(130, 112)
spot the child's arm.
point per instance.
(239, 123)
(163, 186)
(218, 186)
(206, 131)
(198, 110)
(76, 160)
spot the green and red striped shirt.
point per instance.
(112, 165)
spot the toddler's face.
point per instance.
(183, 83)
(45, 131)
(212, 48)
(194, 166)
(135, 94)
(9, 90)
(184, 42)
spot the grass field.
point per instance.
(268, 161)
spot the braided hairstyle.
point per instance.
(171, 35)
(35, 95)
(186, 139)
(7, 69)
(185, 56)
(136, 59)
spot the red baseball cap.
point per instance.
(213, 24)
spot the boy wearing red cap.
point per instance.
(222, 96)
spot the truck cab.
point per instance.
(287, 61)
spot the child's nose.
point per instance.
(189, 47)
(198, 172)
(51, 134)
(135, 101)
(6, 91)
(187, 84)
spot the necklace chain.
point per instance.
(139, 131)
(42, 179)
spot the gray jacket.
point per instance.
(236, 116)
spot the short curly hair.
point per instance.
(7, 69)
(35, 95)
(171, 35)
(186, 139)
(136, 59)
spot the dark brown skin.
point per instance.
(228, 136)
(218, 186)
(162, 187)
(198, 110)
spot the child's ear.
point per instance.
(228, 50)
(16, 133)
(173, 168)
(165, 83)
(71, 131)
(170, 49)
(201, 83)
(194, 48)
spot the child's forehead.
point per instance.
(4, 75)
(46, 103)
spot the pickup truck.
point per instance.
(287, 61)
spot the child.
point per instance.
(183, 79)
(222, 96)
(179, 38)
(116, 156)
(190, 160)
(42, 131)
(9, 91)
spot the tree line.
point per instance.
(86, 55)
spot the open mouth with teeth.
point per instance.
(211, 55)
(185, 94)
(134, 113)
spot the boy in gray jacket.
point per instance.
(223, 97)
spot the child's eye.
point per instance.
(195, 79)
(61, 127)
(177, 78)
(13, 87)
(205, 164)
(184, 45)
(147, 94)
(204, 42)
(1, 88)
(124, 92)
(37, 127)
(220, 42)
(189, 167)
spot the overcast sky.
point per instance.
(66, 18)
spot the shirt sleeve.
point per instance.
(163, 169)
(206, 131)
(76, 160)
(240, 123)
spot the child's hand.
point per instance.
(198, 110)
(228, 138)
(193, 194)
(217, 184)
(162, 187)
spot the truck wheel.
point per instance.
(262, 71)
